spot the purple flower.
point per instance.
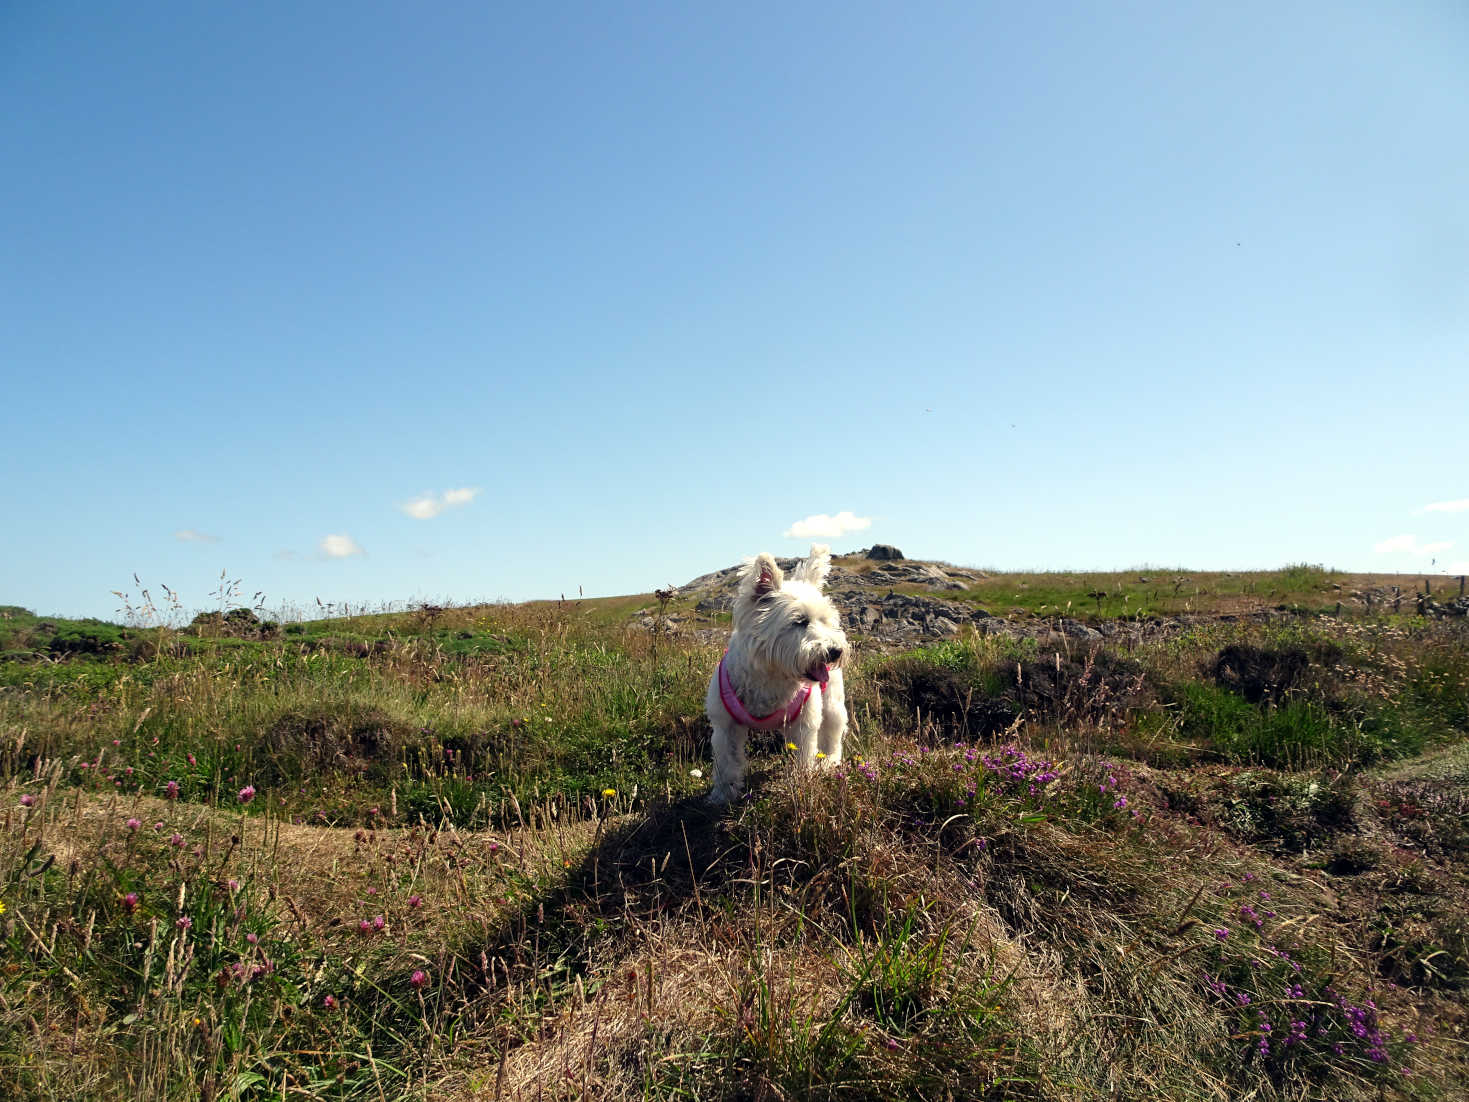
(330, 1002)
(27, 800)
(134, 824)
(1221, 933)
(172, 791)
(415, 901)
(418, 979)
(246, 794)
(130, 902)
(184, 922)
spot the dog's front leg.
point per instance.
(729, 762)
(805, 734)
(833, 720)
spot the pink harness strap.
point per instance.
(781, 717)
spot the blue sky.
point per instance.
(370, 302)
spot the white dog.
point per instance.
(782, 671)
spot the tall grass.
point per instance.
(462, 854)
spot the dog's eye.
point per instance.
(801, 621)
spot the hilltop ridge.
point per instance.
(889, 600)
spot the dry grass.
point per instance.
(495, 878)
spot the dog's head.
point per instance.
(788, 622)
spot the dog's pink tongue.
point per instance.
(819, 673)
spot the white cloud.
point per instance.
(1397, 543)
(1457, 567)
(192, 535)
(430, 505)
(1411, 545)
(340, 547)
(1460, 506)
(821, 526)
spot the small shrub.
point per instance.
(87, 637)
(1289, 811)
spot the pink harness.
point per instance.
(781, 717)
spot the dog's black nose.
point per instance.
(833, 654)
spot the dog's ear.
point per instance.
(816, 567)
(761, 577)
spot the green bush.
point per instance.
(87, 637)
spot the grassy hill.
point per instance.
(462, 853)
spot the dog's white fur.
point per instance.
(786, 633)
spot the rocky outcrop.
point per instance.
(899, 603)
(876, 598)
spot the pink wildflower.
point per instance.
(246, 794)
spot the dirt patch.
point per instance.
(1264, 675)
(360, 742)
(1092, 688)
(942, 702)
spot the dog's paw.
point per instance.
(722, 795)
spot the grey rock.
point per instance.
(1077, 630)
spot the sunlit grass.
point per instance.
(461, 853)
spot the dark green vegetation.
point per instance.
(459, 853)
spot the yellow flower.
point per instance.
(2, 908)
(790, 746)
(609, 792)
(819, 755)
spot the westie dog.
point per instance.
(782, 671)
